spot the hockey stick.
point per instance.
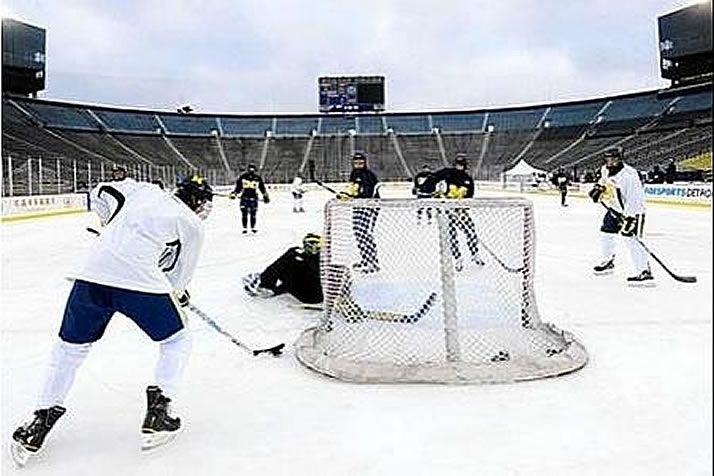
(348, 306)
(499, 261)
(276, 350)
(311, 175)
(93, 231)
(677, 277)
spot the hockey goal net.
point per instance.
(433, 291)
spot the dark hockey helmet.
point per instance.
(461, 160)
(118, 172)
(312, 243)
(194, 192)
(613, 153)
(359, 155)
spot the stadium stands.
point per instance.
(74, 141)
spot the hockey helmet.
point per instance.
(613, 153)
(460, 160)
(312, 243)
(359, 155)
(118, 172)
(194, 192)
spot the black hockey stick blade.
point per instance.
(93, 231)
(675, 276)
(276, 351)
(423, 310)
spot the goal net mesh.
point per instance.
(433, 291)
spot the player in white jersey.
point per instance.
(621, 190)
(297, 190)
(122, 274)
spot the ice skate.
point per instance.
(159, 426)
(642, 280)
(27, 440)
(607, 266)
(251, 285)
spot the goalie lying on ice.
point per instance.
(297, 272)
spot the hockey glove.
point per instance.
(344, 197)
(182, 297)
(232, 195)
(266, 198)
(596, 192)
(628, 226)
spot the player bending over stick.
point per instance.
(121, 274)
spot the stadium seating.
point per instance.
(652, 127)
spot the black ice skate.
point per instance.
(159, 426)
(644, 279)
(606, 267)
(28, 439)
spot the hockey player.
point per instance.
(456, 183)
(421, 191)
(363, 183)
(621, 190)
(247, 187)
(297, 271)
(561, 181)
(121, 274)
(297, 190)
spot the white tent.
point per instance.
(524, 173)
(523, 169)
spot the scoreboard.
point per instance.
(351, 93)
(685, 42)
(23, 57)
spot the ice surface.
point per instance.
(642, 406)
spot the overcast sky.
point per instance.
(265, 56)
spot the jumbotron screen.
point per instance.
(351, 93)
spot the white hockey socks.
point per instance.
(64, 362)
(607, 245)
(173, 355)
(638, 255)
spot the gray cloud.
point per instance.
(256, 56)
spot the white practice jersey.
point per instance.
(142, 224)
(629, 196)
(296, 186)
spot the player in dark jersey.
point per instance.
(247, 187)
(457, 184)
(363, 183)
(297, 271)
(421, 190)
(560, 179)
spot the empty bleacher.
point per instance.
(652, 127)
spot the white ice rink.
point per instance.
(642, 406)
